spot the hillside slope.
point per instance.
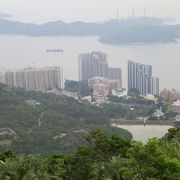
(45, 123)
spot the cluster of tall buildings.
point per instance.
(93, 67)
(101, 78)
(95, 64)
(40, 79)
(140, 77)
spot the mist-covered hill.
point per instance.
(4, 15)
(124, 31)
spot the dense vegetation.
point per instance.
(102, 157)
(144, 107)
(80, 87)
(57, 123)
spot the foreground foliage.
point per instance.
(103, 157)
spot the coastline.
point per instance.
(139, 122)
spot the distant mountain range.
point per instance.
(4, 15)
(124, 31)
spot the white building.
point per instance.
(150, 97)
(40, 79)
(119, 92)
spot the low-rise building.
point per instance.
(70, 94)
(100, 92)
(102, 87)
(170, 95)
(119, 92)
(158, 113)
(87, 98)
(150, 97)
(33, 103)
(176, 107)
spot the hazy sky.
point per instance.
(86, 10)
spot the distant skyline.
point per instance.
(40, 11)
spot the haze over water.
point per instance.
(40, 11)
(143, 133)
(22, 51)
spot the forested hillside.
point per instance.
(41, 123)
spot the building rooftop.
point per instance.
(176, 103)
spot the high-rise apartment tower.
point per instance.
(95, 64)
(140, 77)
(40, 79)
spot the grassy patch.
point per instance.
(5, 142)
